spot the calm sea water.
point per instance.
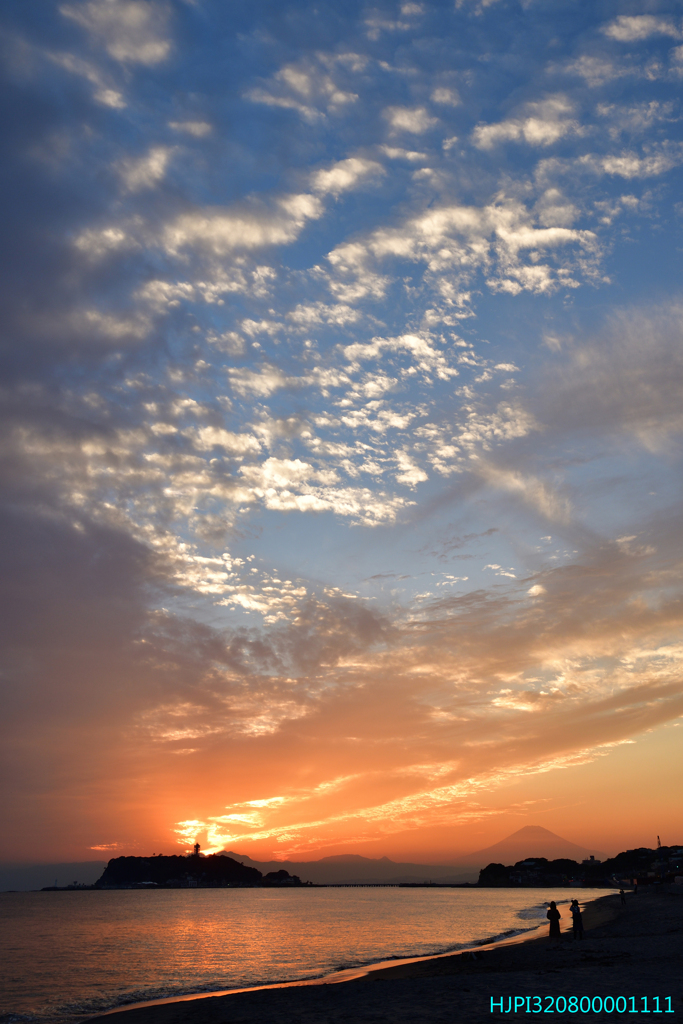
(66, 955)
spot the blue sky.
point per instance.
(341, 389)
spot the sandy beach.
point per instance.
(630, 951)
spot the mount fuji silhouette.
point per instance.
(530, 841)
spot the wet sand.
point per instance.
(634, 950)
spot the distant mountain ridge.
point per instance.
(350, 868)
(529, 841)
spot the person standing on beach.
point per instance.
(622, 894)
(577, 920)
(554, 916)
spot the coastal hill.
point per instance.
(643, 865)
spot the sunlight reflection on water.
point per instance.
(66, 955)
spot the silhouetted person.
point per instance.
(622, 894)
(554, 916)
(635, 889)
(577, 920)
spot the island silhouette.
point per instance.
(186, 872)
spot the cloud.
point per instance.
(262, 382)
(319, 312)
(158, 294)
(310, 87)
(631, 165)
(283, 473)
(344, 175)
(99, 242)
(130, 30)
(377, 22)
(448, 97)
(420, 347)
(205, 438)
(598, 69)
(508, 421)
(652, 160)
(293, 485)
(111, 325)
(396, 153)
(409, 472)
(415, 120)
(455, 241)
(638, 118)
(626, 381)
(634, 28)
(546, 122)
(239, 476)
(105, 92)
(536, 493)
(200, 129)
(145, 171)
(224, 231)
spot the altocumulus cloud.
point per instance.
(322, 477)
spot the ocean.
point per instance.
(65, 956)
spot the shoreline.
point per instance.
(344, 975)
(428, 988)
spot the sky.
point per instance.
(341, 416)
